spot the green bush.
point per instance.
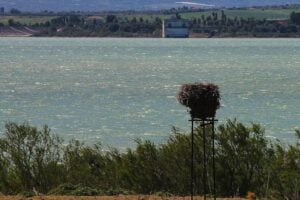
(77, 190)
(34, 154)
(85, 191)
(63, 189)
(27, 194)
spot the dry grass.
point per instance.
(119, 197)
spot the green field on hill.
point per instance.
(28, 20)
(248, 13)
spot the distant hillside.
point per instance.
(98, 5)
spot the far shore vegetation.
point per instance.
(268, 21)
(34, 161)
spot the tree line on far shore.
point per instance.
(33, 160)
(218, 25)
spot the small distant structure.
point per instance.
(2, 11)
(175, 28)
(283, 21)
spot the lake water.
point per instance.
(115, 90)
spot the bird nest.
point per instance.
(203, 99)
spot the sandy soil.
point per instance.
(120, 197)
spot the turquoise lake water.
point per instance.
(115, 90)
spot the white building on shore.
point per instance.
(175, 28)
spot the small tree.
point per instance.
(242, 155)
(295, 18)
(34, 154)
(11, 22)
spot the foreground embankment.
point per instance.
(119, 197)
(33, 161)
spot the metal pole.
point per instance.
(192, 160)
(204, 158)
(213, 151)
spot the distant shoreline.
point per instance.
(27, 31)
(24, 31)
(261, 22)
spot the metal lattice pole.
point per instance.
(204, 158)
(213, 151)
(192, 160)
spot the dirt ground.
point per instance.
(120, 197)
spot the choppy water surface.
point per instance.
(115, 90)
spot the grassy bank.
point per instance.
(26, 20)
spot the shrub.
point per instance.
(63, 189)
(27, 194)
(34, 154)
(81, 190)
(242, 158)
(76, 190)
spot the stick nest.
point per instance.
(203, 99)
